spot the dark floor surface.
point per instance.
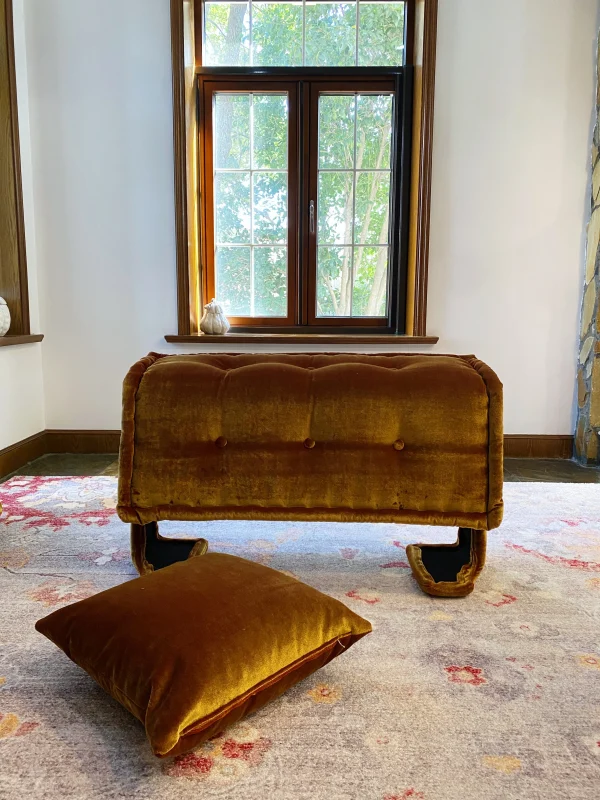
(515, 469)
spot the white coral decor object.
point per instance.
(214, 322)
(4, 317)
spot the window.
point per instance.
(353, 190)
(302, 129)
(249, 201)
(363, 33)
(303, 138)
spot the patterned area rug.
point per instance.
(496, 696)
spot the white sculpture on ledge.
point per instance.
(214, 322)
(4, 317)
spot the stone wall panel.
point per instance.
(587, 442)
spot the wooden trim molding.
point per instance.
(425, 46)
(68, 441)
(186, 49)
(541, 446)
(13, 257)
(56, 441)
(17, 455)
(90, 442)
(185, 142)
(10, 339)
(179, 145)
(302, 338)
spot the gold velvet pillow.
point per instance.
(197, 646)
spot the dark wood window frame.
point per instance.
(13, 258)
(304, 91)
(421, 49)
(400, 84)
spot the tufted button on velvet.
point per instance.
(399, 445)
(221, 442)
(309, 444)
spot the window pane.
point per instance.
(373, 145)
(250, 140)
(372, 213)
(233, 280)
(270, 281)
(232, 132)
(330, 34)
(269, 203)
(336, 131)
(277, 34)
(354, 204)
(335, 205)
(369, 291)
(226, 34)
(381, 34)
(232, 206)
(334, 282)
(289, 33)
(270, 150)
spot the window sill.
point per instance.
(8, 340)
(302, 338)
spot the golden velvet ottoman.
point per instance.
(333, 437)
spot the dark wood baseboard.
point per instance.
(542, 446)
(56, 441)
(70, 441)
(66, 441)
(21, 453)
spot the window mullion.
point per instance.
(252, 278)
(354, 185)
(310, 150)
(303, 166)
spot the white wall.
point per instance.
(21, 393)
(515, 90)
(514, 109)
(21, 384)
(100, 96)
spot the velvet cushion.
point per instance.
(193, 648)
(411, 438)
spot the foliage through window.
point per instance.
(303, 131)
(367, 33)
(353, 198)
(251, 201)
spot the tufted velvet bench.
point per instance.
(334, 437)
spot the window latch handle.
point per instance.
(311, 213)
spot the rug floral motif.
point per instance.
(495, 697)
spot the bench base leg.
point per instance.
(151, 551)
(441, 570)
(449, 570)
